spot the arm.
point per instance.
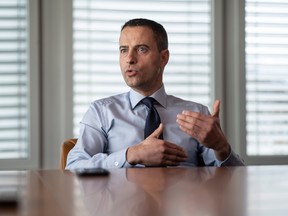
(90, 152)
(92, 148)
(207, 130)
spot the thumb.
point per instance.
(157, 132)
(216, 108)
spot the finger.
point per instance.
(171, 163)
(173, 149)
(185, 121)
(157, 132)
(191, 117)
(174, 158)
(216, 109)
(195, 132)
(192, 123)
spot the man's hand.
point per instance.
(206, 129)
(156, 152)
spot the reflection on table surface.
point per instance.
(254, 190)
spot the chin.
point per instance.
(132, 83)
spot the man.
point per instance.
(112, 130)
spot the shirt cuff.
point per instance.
(232, 160)
(117, 159)
(128, 165)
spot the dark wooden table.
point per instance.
(239, 191)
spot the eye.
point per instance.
(142, 49)
(123, 50)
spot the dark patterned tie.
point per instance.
(153, 119)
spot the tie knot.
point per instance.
(148, 101)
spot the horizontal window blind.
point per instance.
(13, 79)
(97, 26)
(267, 77)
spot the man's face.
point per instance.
(141, 62)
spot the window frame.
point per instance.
(56, 79)
(235, 86)
(33, 75)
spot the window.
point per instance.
(13, 79)
(97, 26)
(267, 77)
(18, 85)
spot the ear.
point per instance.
(164, 57)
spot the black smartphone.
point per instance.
(8, 197)
(92, 172)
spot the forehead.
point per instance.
(137, 34)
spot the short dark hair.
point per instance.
(159, 32)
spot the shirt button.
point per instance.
(116, 163)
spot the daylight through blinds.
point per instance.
(267, 77)
(13, 79)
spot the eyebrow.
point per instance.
(145, 45)
(138, 45)
(122, 47)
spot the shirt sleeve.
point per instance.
(232, 160)
(79, 158)
(91, 149)
(210, 159)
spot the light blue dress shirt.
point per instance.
(113, 124)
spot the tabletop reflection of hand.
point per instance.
(199, 192)
(159, 191)
(112, 195)
(155, 181)
(140, 195)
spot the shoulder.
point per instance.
(173, 101)
(102, 108)
(115, 99)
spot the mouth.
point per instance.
(131, 72)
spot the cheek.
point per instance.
(157, 69)
(121, 65)
(154, 66)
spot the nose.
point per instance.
(131, 57)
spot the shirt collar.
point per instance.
(160, 96)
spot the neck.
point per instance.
(147, 92)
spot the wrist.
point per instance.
(223, 152)
(131, 156)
